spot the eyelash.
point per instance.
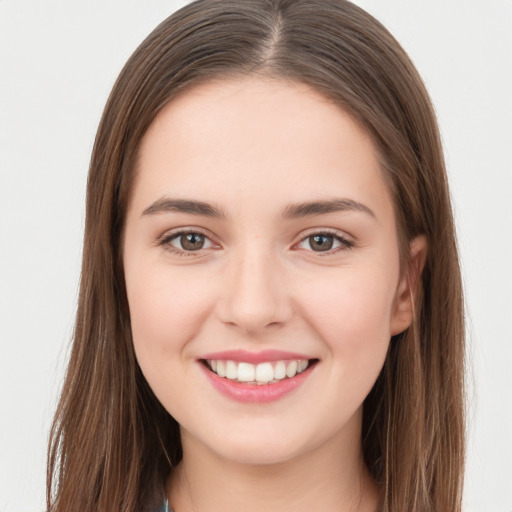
(166, 240)
(345, 244)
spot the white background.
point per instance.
(58, 62)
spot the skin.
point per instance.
(250, 147)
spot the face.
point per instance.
(262, 268)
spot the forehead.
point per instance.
(234, 141)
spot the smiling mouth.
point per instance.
(258, 374)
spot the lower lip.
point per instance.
(256, 393)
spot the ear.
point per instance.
(403, 307)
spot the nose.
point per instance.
(255, 297)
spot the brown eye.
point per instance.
(325, 242)
(191, 241)
(186, 242)
(321, 242)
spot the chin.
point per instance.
(256, 446)
(262, 454)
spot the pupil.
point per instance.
(321, 242)
(192, 241)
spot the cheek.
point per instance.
(166, 310)
(353, 320)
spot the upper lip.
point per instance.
(254, 357)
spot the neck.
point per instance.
(329, 478)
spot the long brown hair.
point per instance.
(112, 444)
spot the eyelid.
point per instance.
(178, 237)
(169, 236)
(346, 242)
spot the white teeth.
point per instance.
(303, 364)
(280, 370)
(246, 372)
(221, 369)
(291, 369)
(262, 373)
(231, 370)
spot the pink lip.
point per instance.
(254, 357)
(254, 393)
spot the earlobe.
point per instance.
(408, 286)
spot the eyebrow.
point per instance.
(166, 204)
(291, 211)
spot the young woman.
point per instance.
(270, 313)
